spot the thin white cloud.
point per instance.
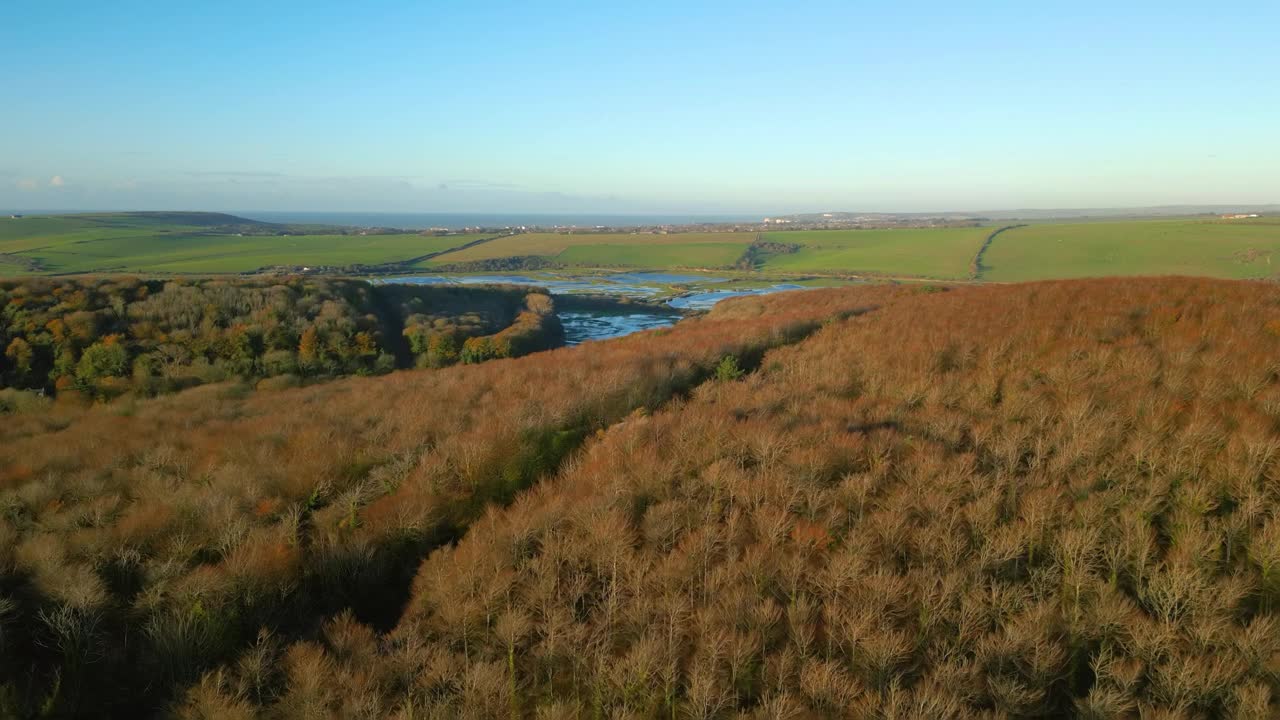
(56, 181)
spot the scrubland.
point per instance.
(142, 545)
(1051, 499)
(1025, 501)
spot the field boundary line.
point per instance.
(464, 246)
(975, 267)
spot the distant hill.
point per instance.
(212, 220)
(215, 222)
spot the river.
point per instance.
(699, 292)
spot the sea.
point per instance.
(456, 221)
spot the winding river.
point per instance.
(581, 325)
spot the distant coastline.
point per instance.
(457, 221)
(416, 221)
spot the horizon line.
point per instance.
(658, 213)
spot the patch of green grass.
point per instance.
(553, 244)
(250, 253)
(28, 234)
(115, 243)
(654, 256)
(1226, 249)
(208, 243)
(36, 227)
(927, 252)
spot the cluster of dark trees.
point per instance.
(455, 324)
(502, 264)
(104, 337)
(759, 252)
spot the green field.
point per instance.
(209, 243)
(693, 255)
(556, 245)
(1225, 248)
(928, 252)
(139, 243)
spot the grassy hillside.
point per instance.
(996, 501)
(1228, 249)
(1036, 501)
(610, 248)
(928, 252)
(179, 253)
(198, 243)
(211, 243)
(225, 513)
(685, 255)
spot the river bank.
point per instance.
(605, 305)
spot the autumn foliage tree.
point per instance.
(111, 336)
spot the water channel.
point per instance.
(590, 324)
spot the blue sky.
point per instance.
(637, 107)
